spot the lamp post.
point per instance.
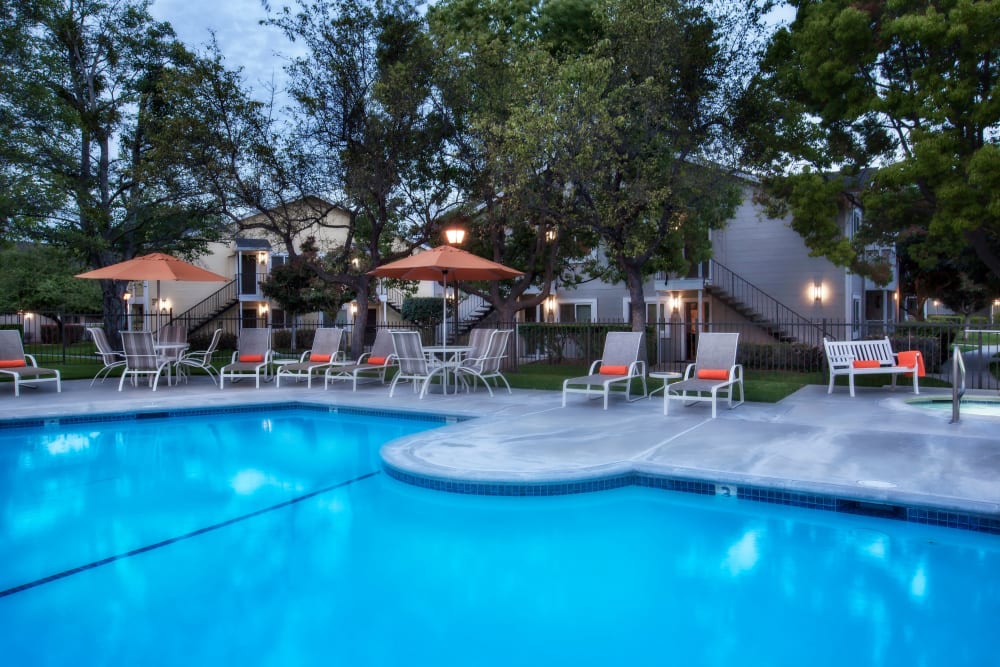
(126, 297)
(454, 235)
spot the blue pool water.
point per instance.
(276, 540)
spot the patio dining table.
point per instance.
(449, 357)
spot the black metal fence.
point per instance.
(61, 338)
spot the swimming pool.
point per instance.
(979, 406)
(274, 539)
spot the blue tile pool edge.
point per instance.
(160, 413)
(982, 523)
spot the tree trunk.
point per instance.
(361, 319)
(114, 311)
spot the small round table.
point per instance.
(666, 376)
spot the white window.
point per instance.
(577, 311)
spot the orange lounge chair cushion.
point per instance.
(614, 370)
(865, 363)
(319, 357)
(251, 358)
(713, 374)
(377, 361)
(12, 363)
(911, 358)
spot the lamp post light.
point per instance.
(454, 235)
(126, 297)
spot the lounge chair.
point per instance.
(489, 364)
(252, 359)
(111, 358)
(714, 371)
(202, 358)
(413, 362)
(325, 352)
(618, 366)
(370, 364)
(141, 358)
(22, 367)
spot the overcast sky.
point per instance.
(258, 49)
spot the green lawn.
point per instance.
(761, 386)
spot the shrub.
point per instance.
(281, 339)
(53, 334)
(227, 341)
(422, 310)
(780, 356)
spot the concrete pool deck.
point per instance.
(874, 448)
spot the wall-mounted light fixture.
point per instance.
(262, 257)
(262, 309)
(817, 292)
(352, 307)
(675, 303)
(164, 305)
(454, 235)
(126, 296)
(550, 303)
(550, 235)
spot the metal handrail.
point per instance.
(200, 313)
(757, 299)
(957, 388)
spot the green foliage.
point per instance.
(781, 356)
(40, 278)
(901, 97)
(104, 127)
(299, 288)
(422, 310)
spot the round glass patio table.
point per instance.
(666, 377)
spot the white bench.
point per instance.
(841, 355)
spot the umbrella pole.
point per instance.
(444, 318)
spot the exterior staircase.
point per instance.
(778, 320)
(471, 311)
(208, 308)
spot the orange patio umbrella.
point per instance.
(154, 266)
(443, 262)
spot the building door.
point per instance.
(248, 274)
(691, 320)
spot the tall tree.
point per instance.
(366, 102)
(903, 93)
(641, 131)
(495, 55)
(100, 156)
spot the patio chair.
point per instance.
(325, 351)
(141, 359)
(488, 365)
(252, 359)
(714, 371)
(111, 358)
(479, 342)
(370, 364)
(22, 367)
(414, 363)
(619, 365)
(201, 358)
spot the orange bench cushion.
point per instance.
(12, 363)
(713, 374)
(251, 358)
(377, 361)
(319, 357)
(614, 370)
(865, 363)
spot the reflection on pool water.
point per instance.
(276, 541)
(980, 406)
